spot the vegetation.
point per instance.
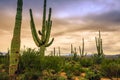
(33, 67)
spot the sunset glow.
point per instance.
(72, 21)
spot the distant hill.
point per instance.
(112, 56)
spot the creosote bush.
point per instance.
(86, 62)
(29, 60)
(110, 69)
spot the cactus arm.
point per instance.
(75, 50)
(71, 49)
(44, 22)
(48, 44)
(80, 50)
(49, 24)
(54, 51)
(101, 47)
(48, 32)
(40, 33)
(59, 51)
(36, 39)
(97, 44)
(83, 47)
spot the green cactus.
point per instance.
(59, 52)
(81, 50)
(99, 57)
(72, 51)
(45, 33)
(54, 51)
(15, 44)
(99, 45)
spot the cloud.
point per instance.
(69, 26)
(111, 17)
(108, 21)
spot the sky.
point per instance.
(72, 21)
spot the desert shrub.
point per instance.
(49, 75)
(72, 68)
(29, 60)
(4, 60)
(30, 76)
(86, 62)
(93, 75)
(52, 63)
(110, 69)
(97, 59)
(53, 78)
(4, 76)
(61, 78)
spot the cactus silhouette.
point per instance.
(45, 33)
(99, 45)
(72, 51)
(59, 51)
(81, 50)
(54, 51)
(15, 43)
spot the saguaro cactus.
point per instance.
(72, 51)
(54, 51)
(59, 51)
(15, 44)
(81, 50)
(99, 45)
(45, 33)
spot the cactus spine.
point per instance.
(99, 45)
(45, 33)
(81, 50)
(15, 43)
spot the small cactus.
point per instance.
(81, 50)
(54, 52)
(59, 52)
(99, 44)
(72, 51)
(98, 58)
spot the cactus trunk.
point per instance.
(15, 44)
(42, 50)
(54, 51)
(59, 52)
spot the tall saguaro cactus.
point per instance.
(45, 33)
(15, 44)
(99, 44)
